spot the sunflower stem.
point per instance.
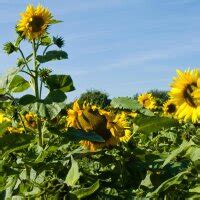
(37, 93)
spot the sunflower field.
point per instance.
(95, 148)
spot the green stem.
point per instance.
(41, 89)
(46, 49)
(37, 93)
(22, 54)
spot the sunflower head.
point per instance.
(184, 95)
(103, 123)
(147, 101)
(34, 22)
(30, 120)
(169, 108)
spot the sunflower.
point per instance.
(147, 100)
(3, 118)
(30, 120)
(169, 108)
(184, 94)
(15, 130)
(34, 22)
(104, 123)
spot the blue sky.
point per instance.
(122, 47)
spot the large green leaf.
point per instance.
(45, 110)
(176, 180)
(52, 55)
(182, 148)
(50, 107)
(148, 124)
(18, 84)
(27, 99)
(7, 79)
(11, 141)
(73, 134)
(125, 103)
(60, 82)
(77, 135)
(84, 192)
(73, 174)
(55, 96)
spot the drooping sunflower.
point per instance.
(34, 22)
(184, 95)
(196, 93)
(169, 108)
(104, 123)
(147, 101)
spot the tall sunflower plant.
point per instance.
(32, 138)
(31, 72)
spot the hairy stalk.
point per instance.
(37, 93)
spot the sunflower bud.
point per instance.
(58, 41)
(44, 73)
(9, 48)
(20, 62)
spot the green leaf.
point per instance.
(73, 174)
(176, 180)
(148, 124)
(55, 96)
(84, 192)
(7, 79)
(125, 103)
(11, 141)
(50, 107)
(195, 189)
(45, 110)
(27, 99)
(146, 112)
(18, 84)
(193, 153)
(54, 21)
(182, 148)
(60, 82)
(52, 55)
(77, 135)
(45, 153)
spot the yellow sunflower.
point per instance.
(34, 22)
(30, 120)
(169, 108)
(3, 118)
(15, 130)
(184, 94)
(147, 100)
(104, 123)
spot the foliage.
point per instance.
(42, 157)
(95, 97)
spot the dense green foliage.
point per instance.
(95, 97)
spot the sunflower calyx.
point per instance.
(58, 41)
(9, 48)
(44, 73)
